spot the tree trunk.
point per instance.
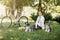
(12, 11)
(13, 8)
(19, 12)
(40, 6)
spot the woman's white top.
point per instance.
(40, 21)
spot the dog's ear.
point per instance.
(25, 22)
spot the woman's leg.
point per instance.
(39, 27)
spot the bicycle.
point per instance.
(21, 21)
(9, 22)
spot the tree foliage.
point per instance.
(17, 4)
(8, 3)
(58, 2)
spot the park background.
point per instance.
(11, 12)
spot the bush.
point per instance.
(33, 16)
(57, 19)
(48, 16)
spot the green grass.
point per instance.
(16, 34)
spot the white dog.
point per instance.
(48, 27)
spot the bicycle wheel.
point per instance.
(6, 22)
(22, 20)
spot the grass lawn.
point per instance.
(14, 33)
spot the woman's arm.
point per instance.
(36, 22)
